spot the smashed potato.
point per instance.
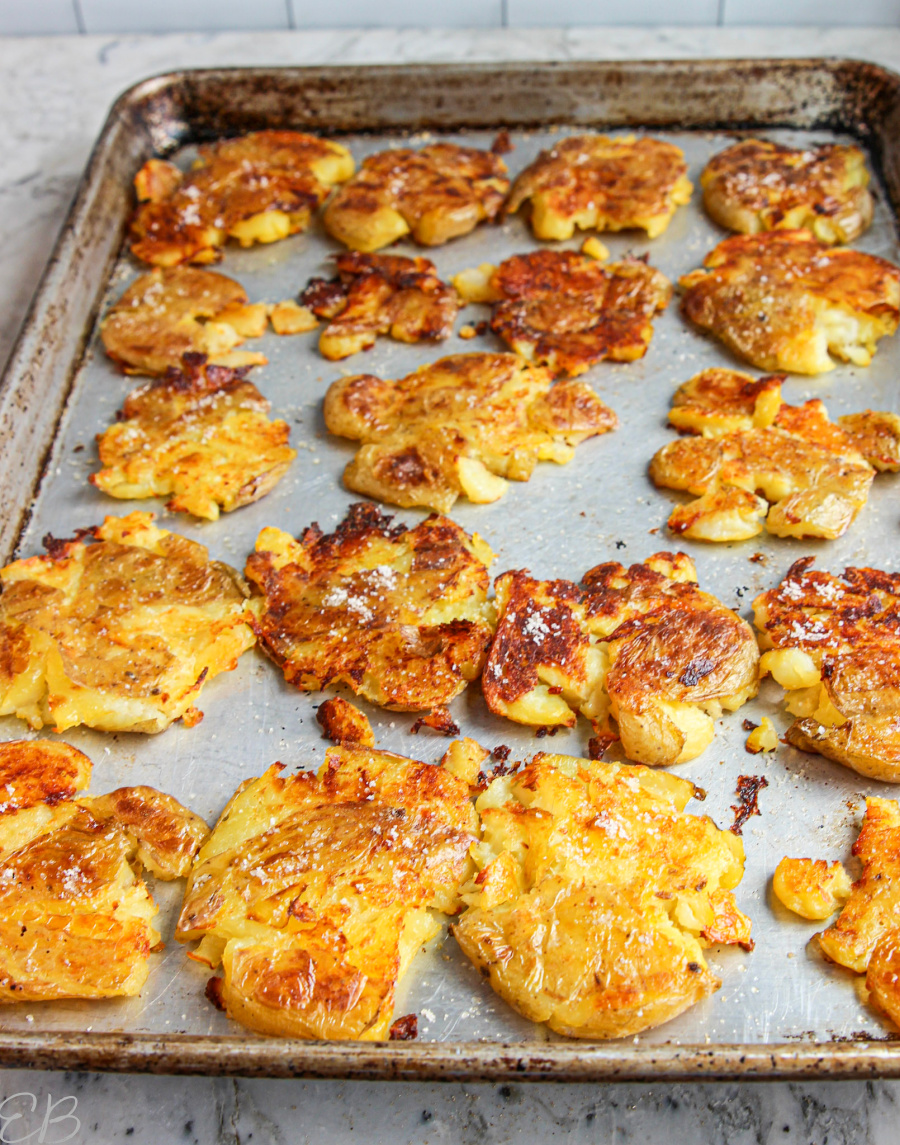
(811, 887)
(118, 629)
(256, 188)
(566, 311)
(756, 461)
(643, 647)
(77, 918)
(199, 436)
(834, 643)
(168, 313)
(380, 294)
(596, 894)
(398, 615)
(315, 892)
(466, 424)
(435, 194)
(782, 300)
(757, 186)
(596, 183)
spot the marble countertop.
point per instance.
(54, 94)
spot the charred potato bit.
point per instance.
(398, 615)
(257, 188)
(566, 311)
(756, 460)
(810, 887)
(834, 642)
(596, 894)
(315, 892)
(118, 629)
(596, 183)
(435, 194)
(642, 646)
(466, 424)
(168, 313)
(76, 919)
(782, 300)
(380, 294)
(200, 436)
(760, 186)
(342, 722)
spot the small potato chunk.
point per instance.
(811, 887)
(342, 722)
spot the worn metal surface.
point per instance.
(774, 1001)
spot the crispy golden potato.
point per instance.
(596, 894)
(757, 461)
(764, 737)
(466, 424)
(380, 294)
(256, 188)
(199, 436)
(782, 300)
(596, 183)
(435, 194)
(566, 311)
(811, 887)
(118, 629)
(883, 975)
(77, 919)
(342, 722)
(168, 313)
(398, 615)
(757, 186)
(872, 908)
(315, 892)
(834, 643)
(641, 646)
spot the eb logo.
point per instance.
(21, 1120)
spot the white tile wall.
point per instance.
(183, 15)
(36, 17)
(552, 13)
(397, 13)
(820, 12)
(24, 17)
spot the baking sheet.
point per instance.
(566, 519)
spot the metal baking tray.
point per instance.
(781, 1011)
